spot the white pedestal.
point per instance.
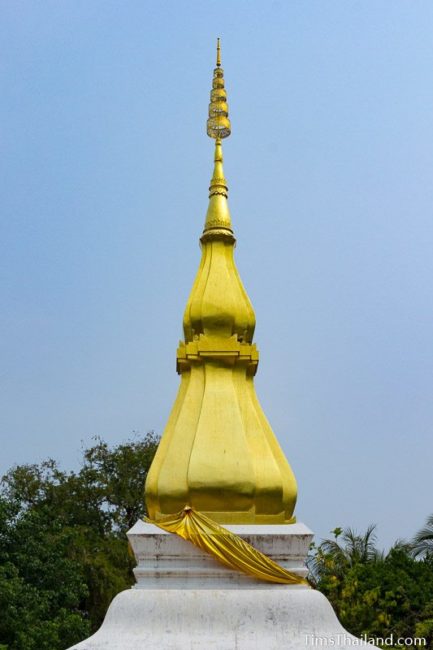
(185, 599)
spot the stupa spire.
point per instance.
(218, 127)
(218, 453)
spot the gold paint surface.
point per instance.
(218, 453)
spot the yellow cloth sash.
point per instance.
(226, 547)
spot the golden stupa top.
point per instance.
(218, 453)
(218, 304)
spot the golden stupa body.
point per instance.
(218, 453)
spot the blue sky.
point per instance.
(103, 190)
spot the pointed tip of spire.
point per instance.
(218, 58)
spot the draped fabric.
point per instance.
(226, 547)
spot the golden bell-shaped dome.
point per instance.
(218, 452)
(218, 305)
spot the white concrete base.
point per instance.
(221, 619)
(165, 561)
(185, 599)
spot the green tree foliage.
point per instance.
(63, 550)
(374, 593)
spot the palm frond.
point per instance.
(422, 543)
